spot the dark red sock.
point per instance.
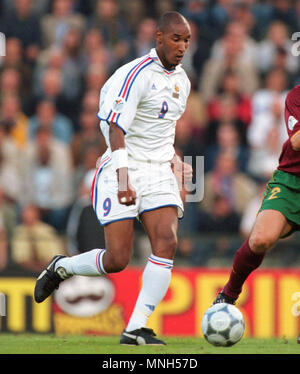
(244, 262)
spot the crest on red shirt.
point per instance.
(292, 122)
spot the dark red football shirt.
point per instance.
(289, 159)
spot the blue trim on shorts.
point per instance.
(162, 206)
(115, 220)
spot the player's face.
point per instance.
(173, 43)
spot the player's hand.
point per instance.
(126, 192)
(187, 172)
(182, 171)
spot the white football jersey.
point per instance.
(145, 100)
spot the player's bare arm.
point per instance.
(126, 193)
(295, 141)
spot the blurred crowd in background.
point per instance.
(241, 61)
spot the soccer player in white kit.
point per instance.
(139, 106)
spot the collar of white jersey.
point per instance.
(153, 55)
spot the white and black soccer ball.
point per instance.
(223, 325)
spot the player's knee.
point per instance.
(115, 264)
(166, 245)
(119, 264)
(260, 242)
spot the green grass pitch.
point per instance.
(51, 344)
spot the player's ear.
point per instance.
(159, 36)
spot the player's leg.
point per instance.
(118, 225)
(119, 241)
(161, 227)
(269, 227)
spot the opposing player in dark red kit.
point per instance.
(279, 214)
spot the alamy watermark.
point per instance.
(2, 44)
(295, 50)
(194, 189)
(296, 306)
(2, 305)
(155, 173)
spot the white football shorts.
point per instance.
(155, 184)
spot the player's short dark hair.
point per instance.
(168, 19)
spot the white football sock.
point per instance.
(88, 263)
(156, 280)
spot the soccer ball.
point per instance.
(223, 325)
